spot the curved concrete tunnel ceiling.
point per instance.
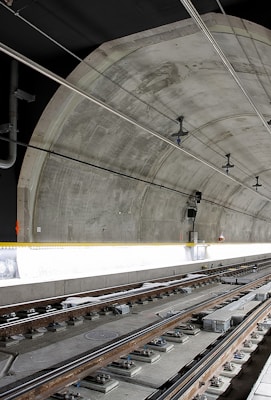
(104, 179)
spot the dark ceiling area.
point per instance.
(56, 35)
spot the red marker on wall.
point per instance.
(17, 227)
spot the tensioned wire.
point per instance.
(124, 175)
(65, 49)
(196, 137)
(78, 90)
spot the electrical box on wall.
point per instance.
(191, 212)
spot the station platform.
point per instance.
(38, 271)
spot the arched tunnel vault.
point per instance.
(109, 180)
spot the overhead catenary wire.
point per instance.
(65, 49)
(245, 51)
(247, 56)
(81, 60)
(242, 47)
(215, 145)
(220, 7)
(131, 177)
(32, 64)
(199, 21)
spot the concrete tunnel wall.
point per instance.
(160, 74)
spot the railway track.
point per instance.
(228, 270)
(53, 312)
(45, 383)
(196, 374)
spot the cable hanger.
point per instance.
(17, 14)
(124, 175)
(64, 82)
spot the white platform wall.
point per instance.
(59, 262)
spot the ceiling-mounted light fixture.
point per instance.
(181, 132)
(228, 165)
(257, 184)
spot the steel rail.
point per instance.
(28, 323)
(41, 385)
(33, 322)
(98, 292)
(25, 324)
(211, 360)
(96, 356)
(102, 291)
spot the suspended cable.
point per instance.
(219, 152)
(240, 44)
(26, 5)
(64, 82)
(247, 56)
(244, 50)
(220, 6)
(89, 164)
(196, 17)
(81, 60)
(17, 14)
(32, 64)
(124, 175)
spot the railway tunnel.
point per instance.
(112, 170)
(156, 138)
(152, 157)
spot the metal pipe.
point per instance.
(44, 71)
(13, 115)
